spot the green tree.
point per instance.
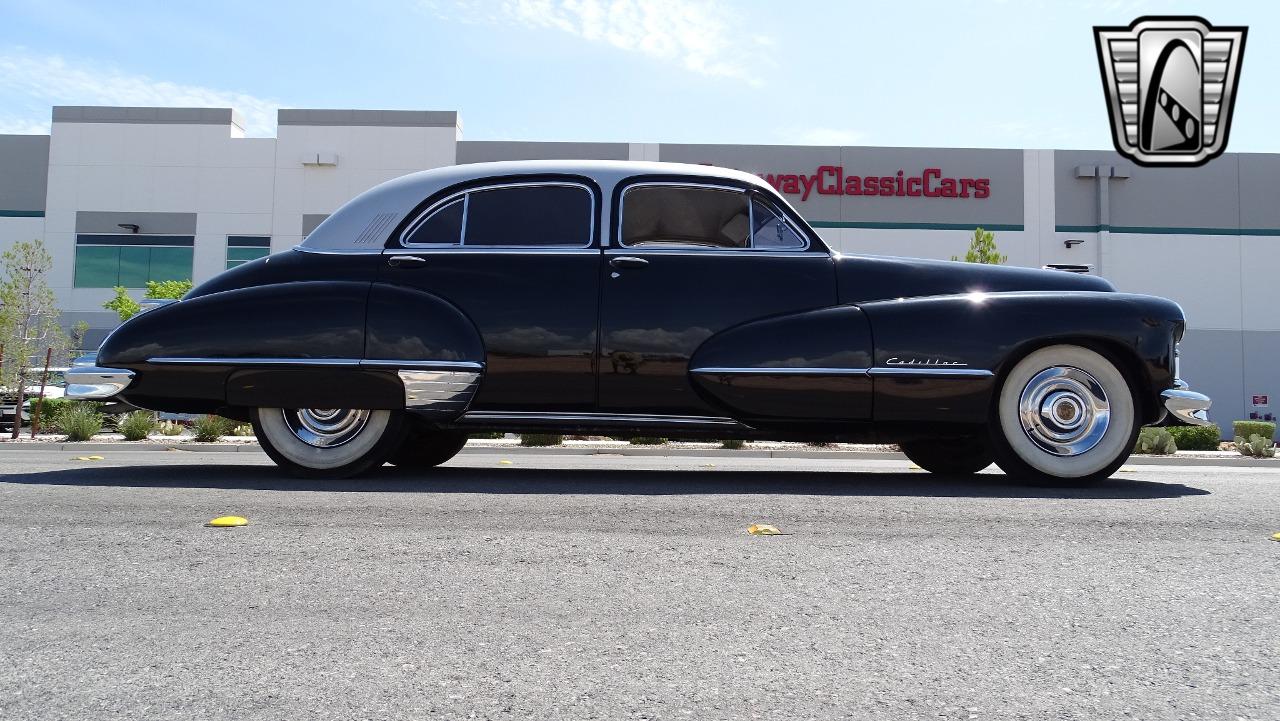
(982, 249)
(126, 307)
(28, 318)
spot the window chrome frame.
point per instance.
(465, 195)
(750, 194)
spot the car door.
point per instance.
(521, 260)
(683, 265)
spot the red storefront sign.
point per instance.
(834, 180)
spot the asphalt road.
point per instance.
(568, 587)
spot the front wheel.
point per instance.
(949, 456)
(1065, 415)
(328, 442)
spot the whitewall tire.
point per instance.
(1065, 415)
(328, 442)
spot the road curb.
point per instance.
(656, 451)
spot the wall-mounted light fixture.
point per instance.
(131, 227)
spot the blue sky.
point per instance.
(959, 73)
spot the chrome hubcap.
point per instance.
(1064, 411)
(325, 427)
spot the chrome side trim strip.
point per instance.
(782, 371)
(597, 417)
(324, 363)
(897, 372)
(93, 383)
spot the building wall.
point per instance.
(1202, 236)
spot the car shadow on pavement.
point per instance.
(515, 480)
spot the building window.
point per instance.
(129, 260)
(244, 248)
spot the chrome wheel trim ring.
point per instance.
(1064, 411)
(324, 427)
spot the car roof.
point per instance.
(363, 223)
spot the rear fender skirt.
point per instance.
(941, 357)
(800, 366)
(318, 388)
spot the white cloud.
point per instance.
(23, 126)
(51, 80)
(697, 34)
(825, 136)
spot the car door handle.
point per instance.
(627, 261)
(406, 261)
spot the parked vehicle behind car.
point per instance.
(653, 299)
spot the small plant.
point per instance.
(1196, 438)
(541, 439)
(170, 428)
(211, 428)
(242, 429)
(1256, 446)
(51, 410)
(819, 444)
(1155, 441)
(80, 421)
(647, 441)
(136, 426)
(487, 435)
(1245, 429)
(982, 249)
(733, 444)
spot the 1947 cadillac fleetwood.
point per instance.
(644, 298)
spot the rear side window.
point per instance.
(685, 215)
(550, 215)
(534, 215)
(444, 226)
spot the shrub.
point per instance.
(1256, 446)
(541, 439)
(486, 435)
(211, 428)
(1196, 438)
(733, 444)
(242, 429)
(647, 441)
(1155, 441)
(80, 421)
(1245, 429)
(136, 426)
(51, 410)
(171, 428)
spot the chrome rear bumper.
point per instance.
(1187, 406)
(96, 383)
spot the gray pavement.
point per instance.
(566, 587)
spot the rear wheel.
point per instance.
(949, 456)
(1065, 415)
(428, 448)
(328, 442)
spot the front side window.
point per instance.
(550, 215)
(770, 230)
(654, 215)
(107, 261)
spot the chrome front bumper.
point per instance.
(1187, 406)
(95, 384)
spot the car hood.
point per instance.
(866, 278)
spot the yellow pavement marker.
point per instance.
(504, 462)
(1275, 536)
(228, 522)
(87, 458)
(764, 529)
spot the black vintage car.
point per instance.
(644, 298)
